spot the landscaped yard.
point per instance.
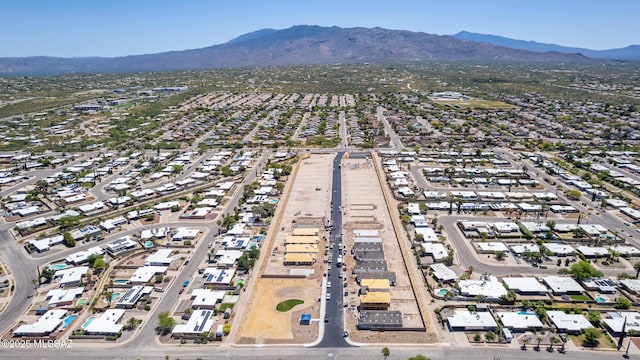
(579, 297)
(288, 304)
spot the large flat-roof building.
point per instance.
(106, 324)
(517, 321)
(129, 299)
(525, 285)
(562, 285)
(463, 320)
(70, 276)
(45, 325)
(379, 319)
(570, 323)
(200, 321)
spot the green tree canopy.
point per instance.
(165, 322)
(583, 270)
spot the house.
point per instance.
(83, 256)
(218, 276)
(45, 325)
(615, 322)
(201, 321)
(106, 324)
(129, 299)
(562, 285)
(519, 321)
(525, 285)
(143, 275)
(489, 287)
(569, 323)
(70, 276)
(63, 297)
(162, 257)
(463, 320)
(442, 273)
(205, 298)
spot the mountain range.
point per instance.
(631, 52)
(297, 45)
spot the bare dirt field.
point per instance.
(265, 325)
(365, 208)
(307, 205)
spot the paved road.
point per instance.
(152, 351)
(333, 330)
(394, 139)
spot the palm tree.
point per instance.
(538, 341)
(637, 267)
(554, 340)
(525, 342)
(385, 352)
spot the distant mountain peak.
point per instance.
(251, 35)
(631, 52)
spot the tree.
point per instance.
(622, 303)
(637, 267)
(500, 255)
(510, 297)
(48, 274)
(165, 322)
(99, 263)
(591, 336)
(594, 318)
(525, 342)
(419, 357)
(554, 340)
(573, 194)
(226, 329)
(132, 323)
(385, 352)
(583, 270)
(490, 336)
(477, 338)
(68, 240)
(538, 341)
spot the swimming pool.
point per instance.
(601, 299)
(148, 244)
(526, 313)
(273, 201)
(88, 321)
(442, 292)
(120, 281)
(114, 297)
(58, 266)
(68, 320)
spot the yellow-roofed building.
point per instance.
(299, 259)
(375, 300)
(306, 231)
(301, 240)
(376, 284)
(301, 248)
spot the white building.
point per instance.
(199, 322)
(143, 275)
(62, 297)
(563, 285)
(70, 276)
(570, 323)
(45, 325)
(559, 249)
(442, 273)
(491, 288)
(162, 257)
(106, 324)
(463, 320)
(519, 321)
(525, 285)
(205, 298)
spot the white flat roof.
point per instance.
(562, 284)
(206, 297)
(437, 250)
(523, 248)
(218, 276)
(107, 323)
(519, 321)
(71, 275)
(57, 296)
(45, 324)
(427, 234)
(490, 288)
(568, 322)
(465, 319)
(162, 257)
(492, 246)
(631, 284)
(592, 250)
(145, 273)
(442, 272)
(524, 284)
(559, 249)
(616, 320)
(199, 322)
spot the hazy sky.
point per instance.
(126, 27)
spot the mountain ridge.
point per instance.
(297, 45)
(628, 53)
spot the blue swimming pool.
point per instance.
(114, 297)
(58, 266)
(148, 244)
(273, 201)
(120, 281)
(68, 320)
(441, 292)
(601, 299)
(526, 313)
(87, 322)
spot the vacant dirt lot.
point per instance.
(265, 325)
